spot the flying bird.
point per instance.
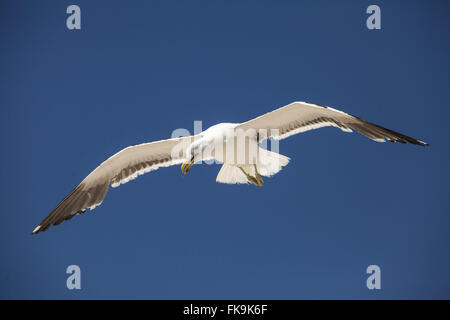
(244, 160)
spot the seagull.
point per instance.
(236, 145)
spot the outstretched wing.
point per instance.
(302, 116)
(122, 167)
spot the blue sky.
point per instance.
(138, 70)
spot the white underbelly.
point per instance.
(236, 151)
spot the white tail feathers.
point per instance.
(269, 163)
(231, 174)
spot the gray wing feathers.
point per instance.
(74, 203)
(302, 116)
(118, 169)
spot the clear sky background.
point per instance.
(137, 70)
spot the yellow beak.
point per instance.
(187, 165)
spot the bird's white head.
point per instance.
(203, 146)
(193, 153)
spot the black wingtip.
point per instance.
(37, 230)
(418, 142)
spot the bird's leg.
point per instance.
(251, 179)
(258, 177)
